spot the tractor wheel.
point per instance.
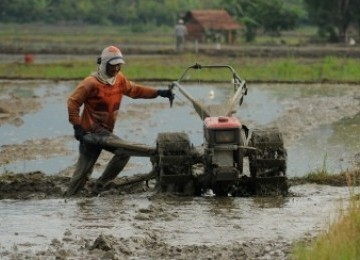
(268, 162)
(174, 163)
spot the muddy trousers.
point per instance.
(89, 154)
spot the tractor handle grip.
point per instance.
(172, 97)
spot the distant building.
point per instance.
(211, 25)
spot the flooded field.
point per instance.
(320, 124)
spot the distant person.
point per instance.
(93, 109)
(180, 34)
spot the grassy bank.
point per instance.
(169, 67)
(342, 241)
(322, 177)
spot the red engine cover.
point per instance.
(222, 122)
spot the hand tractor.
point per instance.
(218, 164)
(228, 146)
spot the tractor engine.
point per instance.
(224, 141)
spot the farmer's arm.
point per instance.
(74, 103)
(133, 90)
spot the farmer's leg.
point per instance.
(116, 164)
(114, 167)
(87, 158)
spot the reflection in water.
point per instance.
(346, 132)
(270, 202)
(221, 205)
(329, 147)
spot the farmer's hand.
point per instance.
(79, 132)
(166, 93)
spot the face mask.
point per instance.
(102, 76)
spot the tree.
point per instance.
(124, 12)
(270, 15)
(275, 17)
(333, 17)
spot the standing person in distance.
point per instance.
(180, 35)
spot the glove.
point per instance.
(166, 93)
(79, 132)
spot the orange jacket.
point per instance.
(102, 102)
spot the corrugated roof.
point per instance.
(215, 19)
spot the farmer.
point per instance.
(99, 97)
(180, 34)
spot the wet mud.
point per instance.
(133, 221)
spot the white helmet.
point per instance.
(111, 55)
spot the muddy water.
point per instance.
(174, 221)
(320, 122)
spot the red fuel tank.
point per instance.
(221, 122)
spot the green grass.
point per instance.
(170, 67)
